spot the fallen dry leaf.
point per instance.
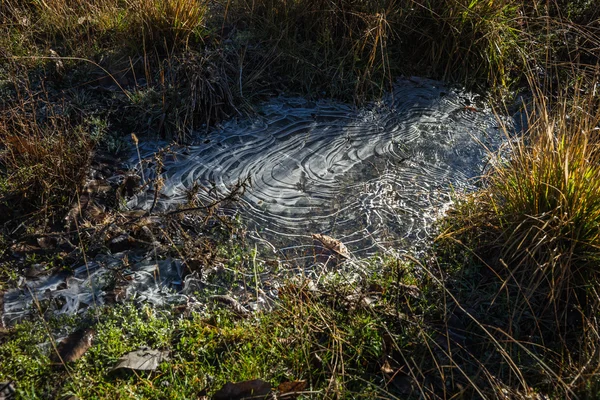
(332, 244)
(141, 360)
(289, 388)
(74, 346)
(386, 368)
(243, 390)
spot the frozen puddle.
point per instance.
(375, 178)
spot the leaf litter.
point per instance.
(259, 389)
(141, 360)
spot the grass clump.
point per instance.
(336, 49)
(544, 201)
(175, 20)
(547, 197)
(531, 238)
(43, 160)
(74, 25)
(474, 41)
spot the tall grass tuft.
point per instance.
(540, 208)
(73, 24)
(471, 41)
(175, 21)
(44, 159)
(547, 199)
(332, 48)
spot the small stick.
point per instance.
(136, 141)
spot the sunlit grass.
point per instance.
(328, 337)
(545, 200)
(533, 229)
(74, 24)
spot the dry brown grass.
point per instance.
(44, 159)
(531, 236)
(172, 20)
(75, 25)
(545, 201)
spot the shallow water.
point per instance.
(375, 178)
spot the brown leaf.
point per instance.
(242, 390)
(291, 387)
(141, 360)
(74, 346)
(332, 244)
(386, 368)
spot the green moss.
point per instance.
(209, 350)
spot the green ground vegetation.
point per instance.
(504, 306)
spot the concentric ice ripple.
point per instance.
(374, 178)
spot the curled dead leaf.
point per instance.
(386, 368)
(291, 388)
(332, 244)
(74, 346)
(243, 390)
(141, 360)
